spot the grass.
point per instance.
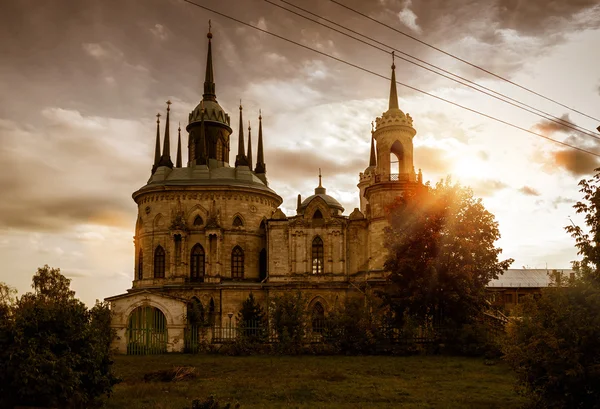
(317, 382)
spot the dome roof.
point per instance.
(321, 192)
(331, 202)
(212, 112)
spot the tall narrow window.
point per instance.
(219, 153)
(317, 219)
(140, 272)
(317, 256)
(318, 317)
(237, 263)
(198, 221)
(197, 263)
(177, 240)
(159, 262)
(262, 264)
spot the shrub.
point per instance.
(553, 347)
(289, 316)
(54, 351)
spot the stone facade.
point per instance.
(211, 233)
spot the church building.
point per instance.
(210, 231)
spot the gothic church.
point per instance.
(212, 233)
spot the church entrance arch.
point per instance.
(146, 331)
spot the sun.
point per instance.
(469, 167)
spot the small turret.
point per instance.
(157, 147)
(165, 159)
(261, 168)
(240, 159)
(178, 164)
(249, 146)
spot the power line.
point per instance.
(387, 78)
(460, 59)
(524, 106)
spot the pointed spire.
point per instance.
(240, 159)
(209, 80)
(165, 159)
(260, 157)
(249, 147)
(320, 190)
(178, 165)
(393, 92)
(373, 159)
(157, 147)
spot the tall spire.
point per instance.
(178, 165)
(260, 157)
(157, 147)
(209, 80)
(240, 159)
(393, 91)
(373, 159)
(249, 147)
(165, 159)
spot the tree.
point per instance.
(251, 320)
(553, 346)
(59, 350)
(442, 254)
(288, 318)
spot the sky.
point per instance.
(81, 83)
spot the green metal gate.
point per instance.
(146, 332)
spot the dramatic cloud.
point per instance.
(71, 171)
(160, 32)
(575, 162)
(549, 127)
(488, 187)
(529, 191)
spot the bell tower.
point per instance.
(390, 174)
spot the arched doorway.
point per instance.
(146, 331)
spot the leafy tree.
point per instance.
(58, 354)
(352, 328)
(553, 346)
(288, 318)
(441, 256)
(251, 320)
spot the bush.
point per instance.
(352, 329)
(54, 351)
(211, 403)
(289, 316)
(553, 347)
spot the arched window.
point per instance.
(211, 312)
(317, 214)
(198, 221)
(263, 227)
(159, 262)
(237, 263)
(262, 264)
(140, 272)
(396, 159)
(197, 263)
(317, 256)
(318, 317)
(195, 312)
(237, 222)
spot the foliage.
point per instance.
(352, 329)
(251, 321)
(58, 353)
(553, 347)
(553, 344)
(288, 318)
(195, 314)
(441, 256)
